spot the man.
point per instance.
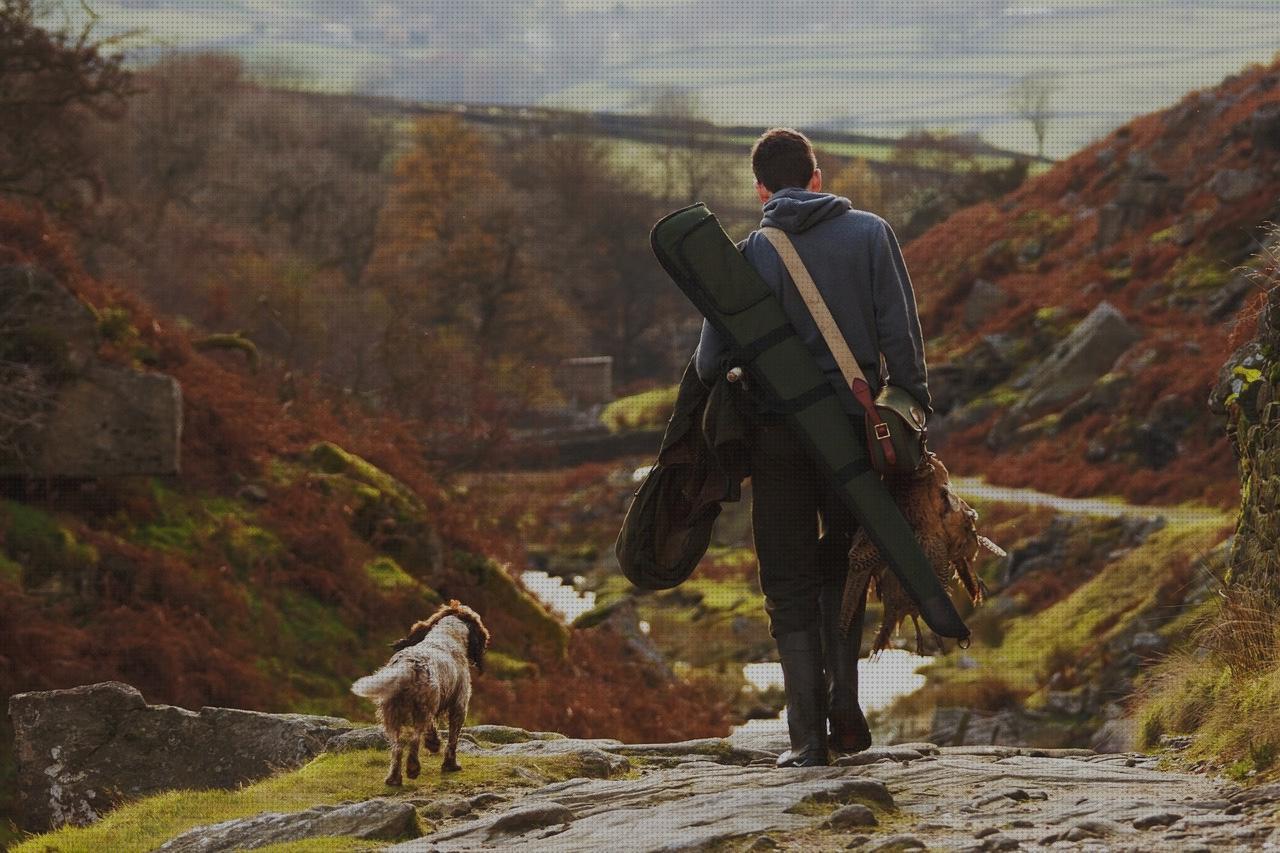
(802, 530)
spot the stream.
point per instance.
(882, 678)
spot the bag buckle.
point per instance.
(882, 431)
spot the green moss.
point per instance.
(387, 574)
(332, 459)
(597, 614)
(329, 779)
(43, 547)
(542, 629)
(116, 325)
(235, 342)
(650, 409)
(248, 546)
(506, 667)
(1035, 645)
(377, 498)
(1196, 272)
(9, 570)
(345, 844)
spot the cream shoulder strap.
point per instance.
(818, 309)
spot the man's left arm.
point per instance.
(897, 323)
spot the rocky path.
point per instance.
(721, 795)
(707, 795)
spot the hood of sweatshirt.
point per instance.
(794, 210)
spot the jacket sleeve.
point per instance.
(707, 357)
(897, 323)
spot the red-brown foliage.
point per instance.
(185, 629)
(1190, 143)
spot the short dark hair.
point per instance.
(783, 157)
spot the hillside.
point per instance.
(1157, 220)
(301, 538)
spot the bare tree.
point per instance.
(1032, 100)
(50, 83)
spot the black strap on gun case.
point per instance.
(707, 266)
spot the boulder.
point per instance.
(1264, 128)
(1143, 193)
(984, 299)
(1075, 364)
(83, 750)
(1119, 735)
(110, 422)
(103, 420)
(1236, 184)
(372, 819)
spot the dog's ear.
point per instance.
(477, 637)
(475, 648)
(416, 635)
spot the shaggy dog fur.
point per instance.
(426, 677)
(948, 532)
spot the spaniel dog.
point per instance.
(428, 676)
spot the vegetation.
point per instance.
(1222, 684)
(646, 410)
(328, 779)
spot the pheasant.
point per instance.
(948, 531)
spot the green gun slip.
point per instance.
(707, 266)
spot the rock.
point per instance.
(486, 799)
(365, 737)
(1119, 735)
(373, 819)
(1086, 354)
(443, 807)
(624, 620)
(715, 749)
(1264, 127)
(693, 806)
(878, 753)
(851, 815)
(1147, 643)
(1236, 184)
(898, 842)
(104, 420)
(524, 818)
(1143, 193)
(1156, 818)
(80, 751)
(508, 734)
(760, 842)
(984, 299)
(253, 492)
(1228, 298)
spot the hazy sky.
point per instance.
(879, 66)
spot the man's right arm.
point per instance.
(897, 323)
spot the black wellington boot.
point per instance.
(805, 684)
(849, 732)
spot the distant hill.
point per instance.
(1154, 220)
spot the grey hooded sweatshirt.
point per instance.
(858, 268)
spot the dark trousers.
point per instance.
(801, 571)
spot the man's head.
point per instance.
(782, 158)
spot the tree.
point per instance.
(688, 159)
(1032, 100)
(51, 84)
(858, 182)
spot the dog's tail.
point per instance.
(385, 682)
